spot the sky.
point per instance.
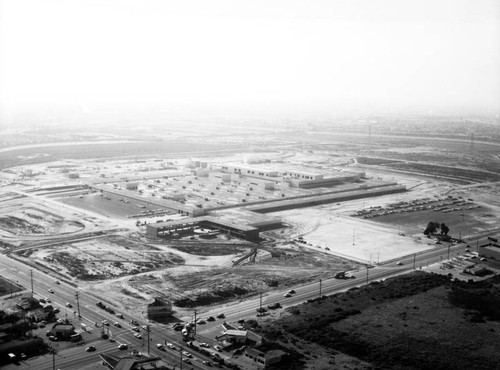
(83, 55)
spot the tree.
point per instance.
(431, 228)
(444, 229)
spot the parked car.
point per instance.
(187, 361)
(138, 335)
(205, 345)
(218, 348)
(57, 282)
(171, 346)
(50, 291)
(160, 346)
(117, 324)
(187, 354)
(119, 315)
(69, 305)
(122, 346)
(207, 363)
(105, 322)
(135, 328)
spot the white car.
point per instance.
(160, 346)
(138, 335)
(50, 291)
(170, 345)
(187, 354)
(287, 295)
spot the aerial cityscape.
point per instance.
(237, 226)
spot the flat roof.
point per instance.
(196, 220)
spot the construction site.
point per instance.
(210, 230)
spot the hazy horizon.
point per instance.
(68, 58)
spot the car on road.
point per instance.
(187, 361)
(291, 291)
(90, 349)
(205, 345)
(170, 345)
(69, 305)
(122, 346)
(201, 322)
(134, 322)
(138, 335)
(274, 306)
(287, 295)
(207, 363)
(221, 316)
(117, 324)
(119, 315)
(50, 291)
(218, 348)
(57, 282)
(105, 322)
(211, 318)
(187, 354)
(400, 263)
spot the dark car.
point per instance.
(211, 318)
(90, 349)
(221, 316)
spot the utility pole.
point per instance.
(449, 251)
(53, 351)
(31, 273)
(195, 322)
(260, 305)
(147, 329)
(320, 281)
(366, 274)
(414, 258)
(78, 304)
(181, 357)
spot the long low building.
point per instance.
(242, 231)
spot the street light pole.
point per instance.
(320, 281)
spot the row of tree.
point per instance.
(434, 227)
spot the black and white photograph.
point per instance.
(250, 184)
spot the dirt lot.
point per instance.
(409, 322)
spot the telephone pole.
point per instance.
(149, 341)
(320, 282)
(78, 304)
(366, 274)
(195, 322)
(31, 273)
(414, 258)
